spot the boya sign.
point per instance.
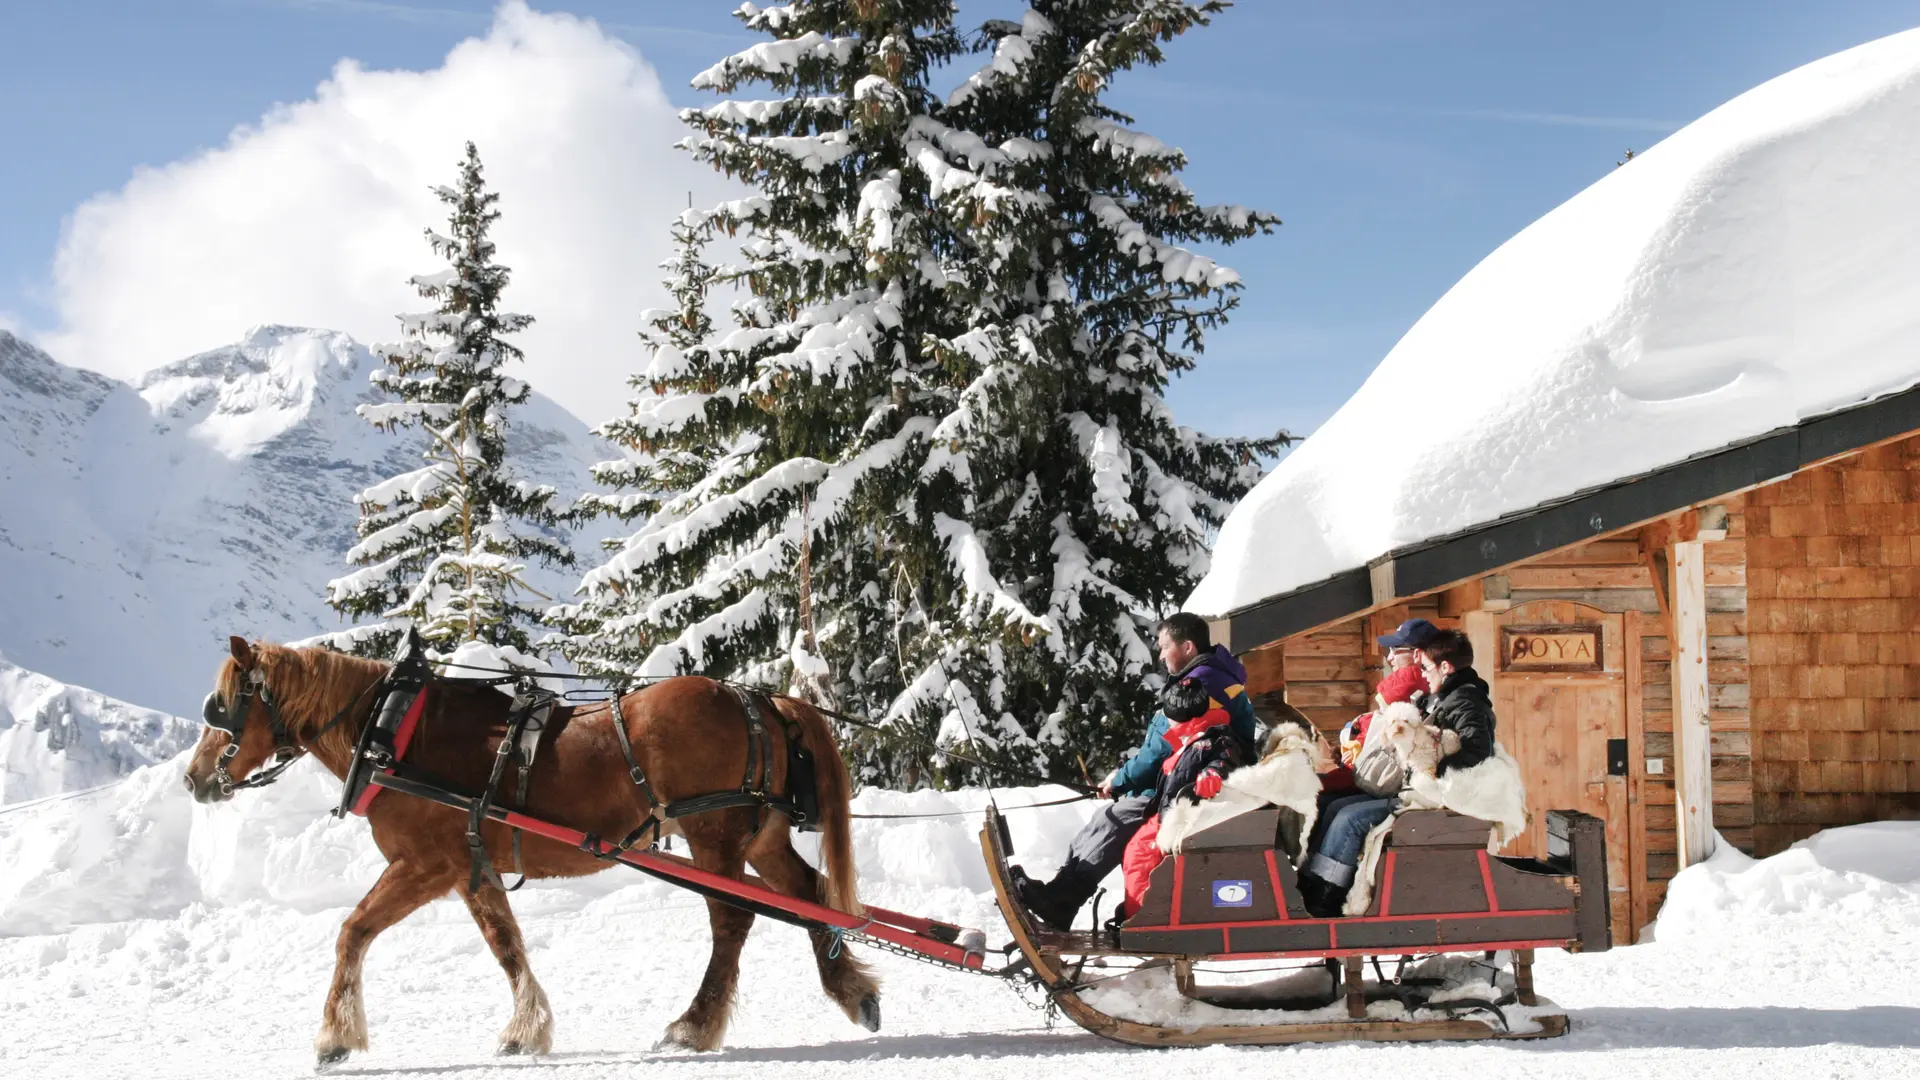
(1551, 648)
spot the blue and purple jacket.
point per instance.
(1225, 679)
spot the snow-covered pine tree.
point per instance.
(812, 415)
(935, 403)
(1069, 496)
(607, 631)
(442, 547)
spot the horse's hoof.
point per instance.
(681, 1035)
(870, 1012)
(512, 1049)
(327, 1059)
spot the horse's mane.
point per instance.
(311, 685)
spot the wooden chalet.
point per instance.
(1730, 642)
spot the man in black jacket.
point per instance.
(1459, 705)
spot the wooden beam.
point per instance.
(1692, 737)
(1655, 540)
(1380, 579)
(1460, 599)
(1635, 665)
(1657, 570)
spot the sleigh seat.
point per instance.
(1233, 890)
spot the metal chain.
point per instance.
(901, 950)
(1047, 1006)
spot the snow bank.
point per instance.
(179, 913)
(1754, 269)
(56, 738)
(143, 849)
(481, 661)
(104, 856)
(1860, 869)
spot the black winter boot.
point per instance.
(1041, 900)
(1322, 898)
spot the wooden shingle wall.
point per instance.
(1835, 592)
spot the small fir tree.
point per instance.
(607, 631)
(442, 548)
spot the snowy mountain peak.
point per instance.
(24, 367)
(55, 737)
(214, 496)
(238, 398)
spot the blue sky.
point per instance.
(1399, 141)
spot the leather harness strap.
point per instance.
(759, 771)
(526, 722)
(655, 810)
(634, 770)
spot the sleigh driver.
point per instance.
(1206, 691)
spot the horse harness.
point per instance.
(801, 804)
(526, 721)
(399, 703)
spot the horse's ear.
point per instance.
(242, 652)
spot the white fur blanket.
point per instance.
(1491, 791)
(1286, 775)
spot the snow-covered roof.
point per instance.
(1756, 268)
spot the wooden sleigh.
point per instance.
(1231, 895)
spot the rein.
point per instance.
(287, 750)
(627, 682)
(965, 813)
(1018, 774)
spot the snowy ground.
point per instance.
(159, 939)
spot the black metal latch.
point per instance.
(1616, 757)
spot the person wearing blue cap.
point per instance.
(1401, 645)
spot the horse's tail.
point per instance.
(835, 789)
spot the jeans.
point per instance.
(1342, 831)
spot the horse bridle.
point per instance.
(286, 749)
(233, 721)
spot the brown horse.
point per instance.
(689, 736)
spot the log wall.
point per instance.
(1835, 592)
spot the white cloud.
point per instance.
(314, 215)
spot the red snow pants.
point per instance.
(1137, 863)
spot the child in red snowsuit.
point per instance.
(1204, 750)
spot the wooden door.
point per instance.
(1557, 718)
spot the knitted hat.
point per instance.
(1402, 685)
(1185, 699)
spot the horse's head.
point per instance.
(243, 728)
